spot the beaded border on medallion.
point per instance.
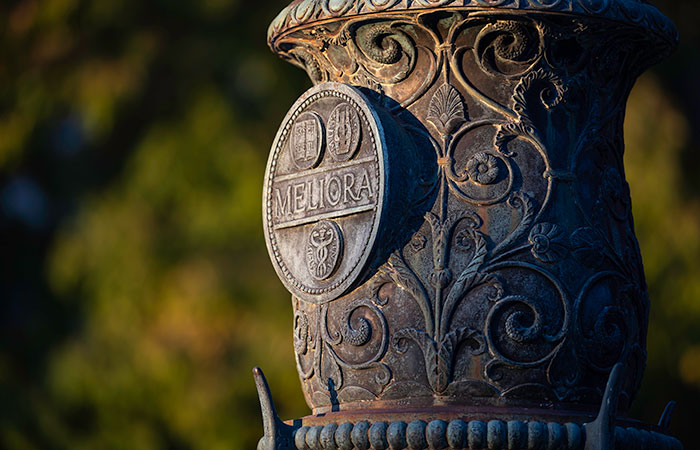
(340, 284)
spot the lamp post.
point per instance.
(448, 208)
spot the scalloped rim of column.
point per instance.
(636, 12)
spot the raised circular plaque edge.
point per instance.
(371, 119)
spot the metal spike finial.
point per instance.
(278, 435)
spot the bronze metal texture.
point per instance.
(327, 181)
(458, 428)
(475, 260)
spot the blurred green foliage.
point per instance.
(136, 291)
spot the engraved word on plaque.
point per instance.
(324, 191)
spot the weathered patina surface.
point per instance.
(330, 174)
(453, 220)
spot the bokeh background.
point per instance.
(135, 290)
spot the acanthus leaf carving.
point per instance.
(525, 203)
(359, 335)
(470, 278)
(441, 276)
(539, 88)
(439, 357)
(383, 51)
(508, 48)
(398, 271)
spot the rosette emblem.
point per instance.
(548, 242)
(483, 169)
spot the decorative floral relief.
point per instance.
(326, 344)
(480, 274)
(517, 327)
(548, 242)
(385, 53)
(508, 47)
(301, 333)
(482, 168)
(380, 46)
(442, 229)
(446, 110)
(464, 240)
(439, 356)
(359, 335)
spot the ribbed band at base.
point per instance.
(473, 435)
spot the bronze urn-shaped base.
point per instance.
(448, 207)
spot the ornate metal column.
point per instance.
(448, 208)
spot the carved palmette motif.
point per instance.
(517, 275)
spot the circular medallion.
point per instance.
(324, 249)
(344, 132)
(322, 208)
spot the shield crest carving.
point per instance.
(307, 140)
(344, 132)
